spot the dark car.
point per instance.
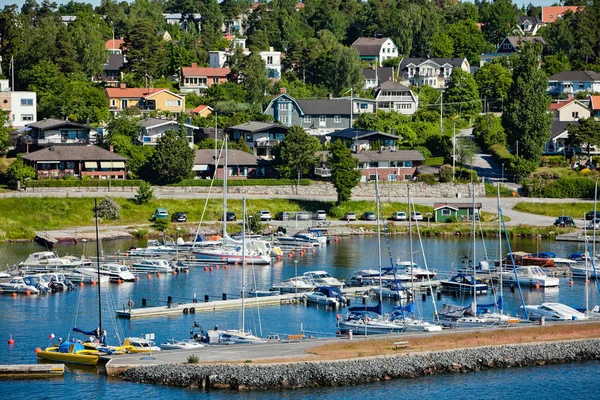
(590, 215)
(368, 216)
(230, 216)
(282, 216)
(564, 221)
(179, 217)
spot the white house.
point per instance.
(569, 111)
(152, 129)
(272, 59)
(434, 72)
(376, 49)
(21, 106)
(392, 96)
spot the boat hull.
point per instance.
(68, 358)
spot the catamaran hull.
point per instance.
(68, 358)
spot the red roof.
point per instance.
(229, 37)
(595, 102)
(208, 72)
(137, 93)
(200, 108)
(553, 13)
(560, 104)
(114, 44)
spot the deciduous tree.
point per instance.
(344, 174)
(462, 95)
(173, 159)
(296, 153)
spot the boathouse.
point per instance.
(445, 212)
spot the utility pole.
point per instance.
(454, 151)
(441, 113)
(351, 107)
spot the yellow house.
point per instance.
(147, 99)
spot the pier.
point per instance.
(31, 371)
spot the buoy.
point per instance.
(137, 278)
(225, 266)
(27, 292)
(222, 258)
(37, 349)
(314, 251)
(216, 266)
(186, 271)
(11, 341)
(571, 282)
(119, 281)
(235, 263)
(158, 274)
(205, 268)
(80, 283)
(336, 240)
(149, 276)
(278, 258)
(537, 285)
(211, 269)
(93, 282)
(174, 272)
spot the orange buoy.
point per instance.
(174, 272)
(11, 341)
(119, 281)
(216, 267)
(137, 278)
(14, 294)
(80, 283)
(93, 282)
(37, 349)
(186, 271)
(211, 269)
(537, 285)
(278, 258)
(225, 266)
(158, 274)
(314, 251)
(205, 268)
(27, 292)
(149, 276)
(571, 282)
(235, 263)
(336, 240)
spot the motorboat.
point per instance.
(580, 270)
(43, 261)
(262, 293)
(464, 283)
(18, 285)
(554, 312)
(530, 275)
(392, 289)
(189, 344)
(115, 272)
(326, 295)
(70, 352)
(256, 252)
(152, 266)
(298, 240)
(405, 268)
(139, 345)
(297, 284)
(77, 278)
(522, 258)
(218, 336)
(57, 282)
(365, 277)
(322, 278)
(153, 248)
(367, 320)
(453, 316)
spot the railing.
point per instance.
(62, 141)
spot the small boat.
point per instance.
(392, 289)
(57, 282)
(404, 267)
(404, 315)
(580, 270)
(70, 352)
(367, 320)
(326, 295)
(464, 283)
(139, 345)
(18, 285)
(297, 284)
(522, 258)
(262, 293)
(299, 240)
(153, 248)
(365, 277)
(152, 266)
(114, 272)
(322, 278)
(554, 312)
(43, 261)
(453, 316)
(189, 344)
(529, 275)
(217, 336)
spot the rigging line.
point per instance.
(487, 259)
(593, 252)
(512, 260)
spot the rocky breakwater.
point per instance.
(361, 370)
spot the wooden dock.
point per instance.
(31, 371)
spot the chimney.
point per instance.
(569, 96)
(110, 148)
(123, 85)
(194, 65)
(282, 90)
(373, 67)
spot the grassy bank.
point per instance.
(575, 210)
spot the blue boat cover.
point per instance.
(375, 309)
(330, 291)
(545, 254)
(66, 345)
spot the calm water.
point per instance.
(31, 319)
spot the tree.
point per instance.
(493, 80)
(488, 131)
(5, 141)
(465, 151)
(585, 134)
(244, 146)
(526, 119)
(462, 95)
(498, 18)
(254, 78)
(442, 45)
(555, 63)
(339, 68)
(145, 52)
(144, 194)
(344, 174)
(173, 159)
(296, 154)
(19, 172)
(109, 209)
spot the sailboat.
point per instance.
(232, 251)
(232, 336)
(72, 351)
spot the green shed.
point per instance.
(461, 211)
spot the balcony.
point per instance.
(50, 141)
(323, 172)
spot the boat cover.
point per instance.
(66, 345)
(452, 311)
(95, 333)
(374, 309)
(329, 291)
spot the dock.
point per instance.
(49, 239)
(31, 371)
(573, 237)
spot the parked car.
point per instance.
(590, 215)
(368, 216)
(399, 216)
(564, 221)
(595, 224)
(179, 217)
(265, 215)
(321, 215)
(350, 216)
(231, 216)
(302, 216)
(282, 216)
(416, 216)
(160, 213)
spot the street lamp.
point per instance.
(502, 180)
(296, 275)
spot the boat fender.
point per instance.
(185, 310)
(192, 310)
(131, 304)
(338, 316)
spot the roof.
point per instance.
(387, 155)
(208, 71)
(325, 106)
(369, 46)
(516, 41)
(113, 44)
(73, 153)
(115, 62)
(360, 134)
(383, 74)
(428, 170)
(559, 127)
(256, 126)
(595, 102)
(155, 122)
(234, 157)
(201, 108)
(534, 20)
(49, 123)
(581, 76)
(552, 13)
(456, 206)
(455, 62)
(138, 93)
(560, 104)
(393, 85)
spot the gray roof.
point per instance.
(455, 205)
(587, 76)
(49, 123)
(115, 62)
(325, 106)
(534, 20)
(516, 41)
(353, 133)
(392, 85)
(73, 153)
(234, 157)
(256, 126)
(455, 62)
(155, 122)
(383, 74)
(387, 155)
(369, 46)
(559, 127)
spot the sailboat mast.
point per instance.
(474, 250)
(410, 239)
(378, 237)
(225, 173)
(98, 268)
(500, 244)
(243, 261)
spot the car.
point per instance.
(590, 215)
(179, 217)
(594, 224)
(282, 216)
(302, 216)
(230, 216)
(350, 216)
(399, 216)
(265, 215)
(368, 216)
(160, 213)
(321, 215)
(416, 216)
(564, 221)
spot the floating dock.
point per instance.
(573, 237)
(31, 371)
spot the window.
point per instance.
(372, 177)
(575, 114)
(407, 177)
(270, 60)
(215, 81)
(392, 177)
(506, 46)
(307, 119)
(202, 81)
(283, 119)
(173, 103)
(446, 212)
(322, 120)
(407, 164)
(113, 103)
(337, 119)
(27, 117)
(364, 106)
(373, 164)
(283, 106)
(26, 102)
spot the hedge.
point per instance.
(82, 183)
(243, 182)
(187, 182)
(435, 161)
(575, 188)
(500, 153)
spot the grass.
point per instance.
(575, 210)
(492, 191)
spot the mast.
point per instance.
(225, 173)
(98, 268)
(378, 238)
(243, 261)
(474, 251)
(410, 239)
(500, 245)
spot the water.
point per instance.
(30, 320)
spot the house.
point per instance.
(183, 20)
(272, 59)
(197, 80)
(359, 140)
(375, 76)
(595, 106)
(458, 211)
(558, 137)
(434, 72)
(572, 82)
(50, 132)
(569, 111)
(202, 110)
(20, 106)
(67, 19)
(164, 35)
(152, 129)
(377, 49)
(80, 161)
(392, 96)
(240, 165)
(528, 26)
(510, 45)
(146, 99)
(259, 136)
(208, 133)
(553, 13)
(112, 72)
(318, 116)
(114, 46)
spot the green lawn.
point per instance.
(575, 210)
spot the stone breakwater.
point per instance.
(356, 371)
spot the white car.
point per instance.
(416, 216)
(399, 216)
(302, 216)
(595, 224)
(265, 215)
(321, 215)
(350, 216)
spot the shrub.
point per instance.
(19, 172)
(549, 161)
(427, 178)
(434, 161)
(160, 224)
(568, 188)
(500, 153)
(144, 193)
(109, 209)
(446, 173)
(193, 359)
(451, 219)
(86, 182)
(243, 182)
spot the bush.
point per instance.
(109, 209)
(520, 167)
(193, 359)
(466, 175)
(243, 182)
(84, 183)
(551, 161)
(19, 172)
(160, 224)
(451, 219)
(144, 193)
(446, 173)
(568, 188)
(500, 153)
(435, 161)
(427, 178)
